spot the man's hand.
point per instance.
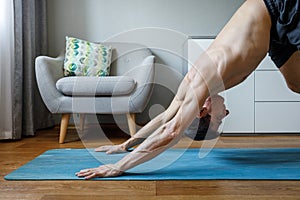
(111, 149)
(102, 171)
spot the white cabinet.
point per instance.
(277, 108)
(261, 104)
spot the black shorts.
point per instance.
(285, 31)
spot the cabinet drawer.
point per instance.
(267, 64)
(271, 86)
(277, 117)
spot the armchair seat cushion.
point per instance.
(96, 86)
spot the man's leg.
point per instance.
(291, 72)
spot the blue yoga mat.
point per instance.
(173, 164)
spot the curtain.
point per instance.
(29, 41)
(6, 65)
(30, 27)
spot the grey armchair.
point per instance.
(126, 91)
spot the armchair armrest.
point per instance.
(48, 70)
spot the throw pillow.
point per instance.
(84, 58)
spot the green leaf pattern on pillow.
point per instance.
(85, 58)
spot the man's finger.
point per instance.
(93, 175)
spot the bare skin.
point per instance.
(234, 54)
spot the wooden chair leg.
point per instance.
(131, 123)
(81, 125)
(63, 127)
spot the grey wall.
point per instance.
(99, 20)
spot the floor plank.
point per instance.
(231, 188)
(172, 197)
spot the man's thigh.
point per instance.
(291, 72)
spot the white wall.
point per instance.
(98, 20)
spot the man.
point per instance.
(257, 27)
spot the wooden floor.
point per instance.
(13, 154)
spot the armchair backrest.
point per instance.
(126, 56)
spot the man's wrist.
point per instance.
(127, 146)
(124, 147)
